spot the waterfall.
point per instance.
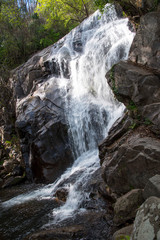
(84, 56)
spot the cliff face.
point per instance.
(130, 154)
(40, 119)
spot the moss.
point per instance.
(123, 237)
(133, 125)
(131, 106)
(147, 121)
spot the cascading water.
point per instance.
(87, 53)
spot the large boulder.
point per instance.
(44, 136)
(131, 159)
(146, 225)
(139, 88)
(126, 206)
(40, 117)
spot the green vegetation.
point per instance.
(133, 125)
(131, 106)
(147, 121)
(123, 237)
(27, 26)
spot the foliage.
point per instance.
(27, 26)
(131, 106)
(133, 125)
(123, 237)
(64, 13)
(147, 121)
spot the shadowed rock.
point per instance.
(152, 187)
(126, 206)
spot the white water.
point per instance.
(90, 107)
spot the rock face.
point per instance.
(140, 86)
(123, 233)
(145, 49)
(131, 160)
(146, 225)
(40, 122)
(130, 154)
(152, 187)
(126, 206)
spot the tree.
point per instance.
(66, 12)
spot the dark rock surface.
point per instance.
(126, 206)
(11, 181)
(145, 49)
(140, 86)
(40, 119)
(130, 160)
(152, 187)
(89, 225)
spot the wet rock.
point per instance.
(44, 136)
(126, 206)
(11, 181)
(123, 233)
(89, 225)
(23, 77)
(119, 128)
(145, 49)
(152, 187)
(146, 225)
(40, 121)
(62, 194)
(71, 232)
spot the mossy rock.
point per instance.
(122, 237)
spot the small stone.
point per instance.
(62, 194)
